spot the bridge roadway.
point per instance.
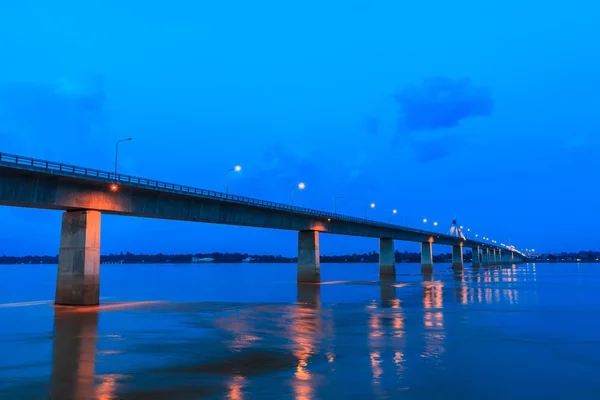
(84, 193)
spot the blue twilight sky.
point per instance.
(487, 110)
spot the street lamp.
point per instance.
(237, 168)
(300, 186)
(335, 203)
(394, 211)
(424, 220)
(372, 205)
(117, 154)
(435, 223)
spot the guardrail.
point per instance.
(104, 176)
(94, 174)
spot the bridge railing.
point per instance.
(73, 170)
(104, 176)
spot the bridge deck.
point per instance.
(38, 183)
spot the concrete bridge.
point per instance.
(84, 194)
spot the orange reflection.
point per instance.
(375, 325)
(238, 323)
(433, 321)
(235, 386)
(432, 294)
(307, 323)
(74, 354)
(460, 290)
(330, 357)
(388, 301)
(399, 359)
(376, 366)
(108, 386)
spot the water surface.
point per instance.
(243, 331)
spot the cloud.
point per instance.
(440, 103)
(33, 113)
(435, 149)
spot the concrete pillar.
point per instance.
(512, 257)
(426, 258)
(476, 259)
(500, 258)
(309, 263)
(494, 260)
(387, 258)
(457, 258)
(309, 294)
(485, 257)
(78, 280)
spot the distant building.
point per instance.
(202, 260)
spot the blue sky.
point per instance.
(486, 110)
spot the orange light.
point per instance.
(328, 219)
(114, 187)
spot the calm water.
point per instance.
(244, 331)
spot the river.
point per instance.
(241, 331)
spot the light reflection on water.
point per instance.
(416, 335)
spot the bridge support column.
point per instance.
(457, 258)
(426, 258)
(475, 258)
(387, 258)
(494, 259)
(500, 257)
(309, 263)
(78, 280)
(485, 257)
(512, 257)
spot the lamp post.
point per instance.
(335, 203)
(237, 168)
(117, 154)
(300, 186)
(372, 205)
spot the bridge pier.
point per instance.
(78, 280)
(426, 258)
(457, 258)
(387, 258)
(309, 263)
(485, 257)
(494, 259)
(475, 258)
(512, 257)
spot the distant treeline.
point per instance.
(372, 257)
(160, 258)
(580, 256)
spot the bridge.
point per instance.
(85, 193)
